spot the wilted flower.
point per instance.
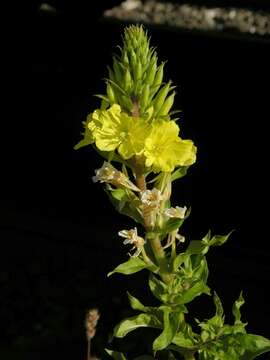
(177, 212)
(180, 238)
(109, 174)
(150, 205)
(151, 198)
(172, 236)
(131, 237)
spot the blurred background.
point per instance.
(58, 231)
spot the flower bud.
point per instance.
(151, 71)
(144, 98)
(127, 80)
(111, 95)
(138, 71)
(159, 99)
(125, 58)
(166, 107)
(159, 77)
(133, 60)
(117, 71)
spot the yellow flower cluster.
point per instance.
(158, 141)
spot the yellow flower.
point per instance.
(113, 129)
(87, 136)
(164, 150)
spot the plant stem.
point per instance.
(189, 356)
(161, 259)
(88, 356)
(140, 180)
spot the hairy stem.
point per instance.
(161, 259)
(189, 355)
(88, 356)
(140, 181)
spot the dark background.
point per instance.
(58, 231)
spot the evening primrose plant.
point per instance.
(136, 133)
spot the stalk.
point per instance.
(160, 257)
(189, 356)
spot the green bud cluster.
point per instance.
(136, 79)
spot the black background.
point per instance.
(58, 230)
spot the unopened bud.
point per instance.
(144, 98)
(160, 97)
(166, 107)
(151, 71)
(127, 80)
(159, 77)
(111, 95)
(117, 71)
(138, 71)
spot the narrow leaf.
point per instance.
(219, 240)
(157, 287)
(236, 309)
(135, 322)
(254, 345)
(171, 321)
(136, 304)
(116, 355)
(131, 266)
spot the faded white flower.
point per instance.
(180, 238)
(151, 197)
(105, 174)
(177, 212)
(109, 174)
(131, 237)
(150, 205)
(174, 235)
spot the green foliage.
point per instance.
(131, 266)
(135, 322)
(171, 323)
(116, 355)
(125, 202)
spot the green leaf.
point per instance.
(200, 266)
(144, 357)
(254, 345)
(118, 194)
(179, 173)
(171, 322)
(218, 305)
(207, 238)
(131, 266)
(125, 202)
(137, 305)
(158, 288)
(235, 347)
(171, 225)
(219, 240)
(196, 247)
(179, 260)
(196, 290)
(184, 339)
(135, 322)
(116, 355)
(236, 309)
